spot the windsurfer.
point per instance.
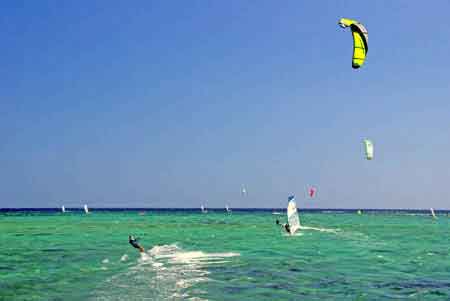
(286, 226)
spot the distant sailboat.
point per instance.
(432, 213)
(227, 208)
(203, 209)
(86, 210)
(63, 209)
(359, 212)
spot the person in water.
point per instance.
(134, 242)
(286, 226)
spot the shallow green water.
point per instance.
(218, 256)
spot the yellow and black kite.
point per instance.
(360, 41)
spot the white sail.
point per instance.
(86, 210)
(292, 214)
(203, 209)
(63, 209)
(227, 208)
(432, 213)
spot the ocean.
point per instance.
(243, 255)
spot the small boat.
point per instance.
(63, 209)
(86, 210)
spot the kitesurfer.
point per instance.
(286, 226)
(134, 242)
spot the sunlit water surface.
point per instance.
(220, 256)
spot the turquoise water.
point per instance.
(219, 256)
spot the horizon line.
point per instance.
(216, 209)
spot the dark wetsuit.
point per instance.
(287, 228)
(135, 244)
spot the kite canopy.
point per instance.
(368, 149)
(360, 41)
(312, 191)
(243, 191)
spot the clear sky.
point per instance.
(178, 103)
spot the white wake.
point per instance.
(164, 272)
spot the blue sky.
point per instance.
(178, 103)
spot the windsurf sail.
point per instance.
(227, 208)
(359, 212)
(203, 209)
(432, 213)
(63, 209)
(86, 210)
(292, 214)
